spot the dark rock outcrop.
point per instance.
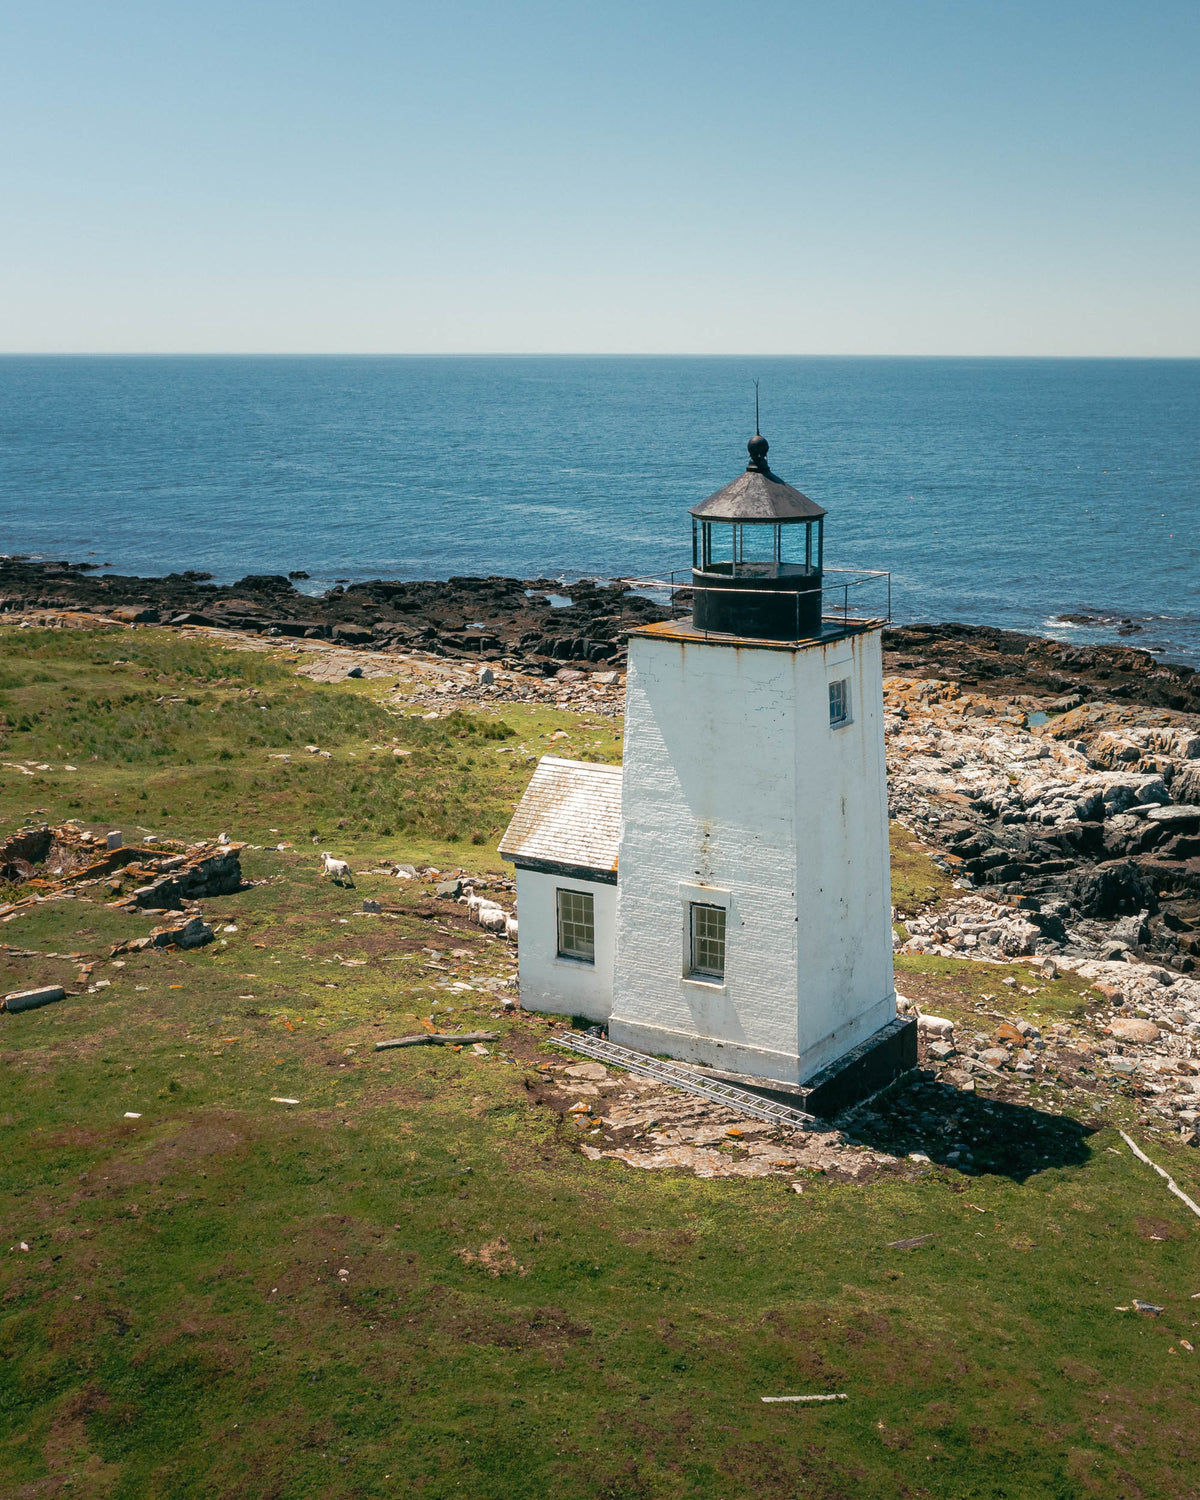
(483, 619)
(1004, 662)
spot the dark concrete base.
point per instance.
(863, 1071)
(869, 1067)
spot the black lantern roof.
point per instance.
(758, 495)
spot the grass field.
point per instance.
(412, 1282)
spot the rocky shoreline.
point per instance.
(1062, 783)
(1079, 822)
(531, 626)
(525, 624)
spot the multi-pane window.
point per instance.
(577, 925)
(839, 702)
(708, 940)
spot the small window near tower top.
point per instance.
(576, 925)
(839, 703)
(708, 941)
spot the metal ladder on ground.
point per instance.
(741, 1100)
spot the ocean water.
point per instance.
(997, 491)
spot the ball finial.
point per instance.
(757, 449)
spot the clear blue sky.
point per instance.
(771, 176)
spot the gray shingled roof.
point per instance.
(570, 814)
(758, 495)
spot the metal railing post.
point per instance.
(675, 607)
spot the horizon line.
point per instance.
(528, 354)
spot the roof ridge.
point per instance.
(587, 765)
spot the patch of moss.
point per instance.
(917, 881)
(960, 987)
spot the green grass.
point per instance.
(917, 883)
(962, 990)
(178, 1326)
(173, 736)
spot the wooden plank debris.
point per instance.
(440, 1039)
(1170, 1181)
(837, 1396)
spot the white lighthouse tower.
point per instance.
(751, 929)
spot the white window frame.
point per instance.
(697, 915)
(842, 685)
(703, 895)
(564, 955)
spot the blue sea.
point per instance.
(1008, 492)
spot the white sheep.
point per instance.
(337, 869)
(492, 917)
(510, 929)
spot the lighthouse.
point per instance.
(728, 903)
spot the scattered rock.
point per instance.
(19, 1000)
(1177, 815)
(194, 933)
(1079, 822)
(1130, 1029)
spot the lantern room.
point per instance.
(757, 556)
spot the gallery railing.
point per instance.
(869, 591)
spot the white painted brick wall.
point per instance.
(734, 779)
(563, 986)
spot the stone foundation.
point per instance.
(886, 1055)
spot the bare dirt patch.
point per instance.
(197, 1139)
(359, 1267)
(1158, 1229)
(495, 1257)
